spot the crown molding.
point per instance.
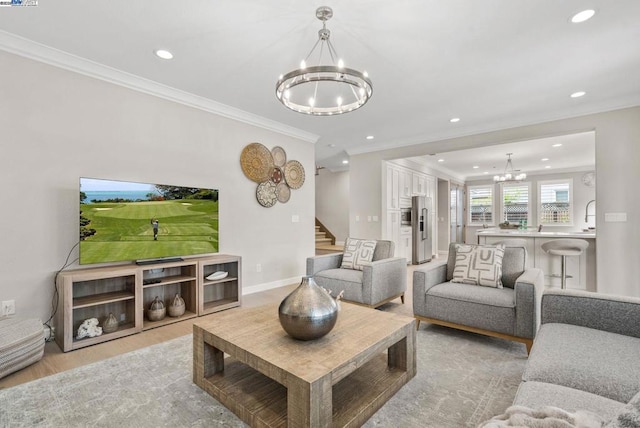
(38, 52)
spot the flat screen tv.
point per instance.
(127, 221)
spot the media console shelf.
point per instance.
(127, 292)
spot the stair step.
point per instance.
(321, 234)
(323, 240)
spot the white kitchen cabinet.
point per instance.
(419, 183)
(393, 227)
(393, 188)
(405, 249)
(405, 184)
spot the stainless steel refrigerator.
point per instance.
(421, 229)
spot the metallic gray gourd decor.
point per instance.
(309, 312)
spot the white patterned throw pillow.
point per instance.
(479, 265)
(357, 251)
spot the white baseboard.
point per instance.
(270, 285)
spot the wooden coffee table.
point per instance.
(272, 380)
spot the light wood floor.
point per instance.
(56, 361)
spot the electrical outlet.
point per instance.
(258, 267)
(8, 307)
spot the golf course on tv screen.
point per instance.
(126, 221)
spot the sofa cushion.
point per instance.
(590, 360)
(337, 280)
(479, 265)
(539, 394)
(357, 251)
(481, 307)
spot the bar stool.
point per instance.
(564, 248)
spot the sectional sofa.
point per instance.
(586, 356)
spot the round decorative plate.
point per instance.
(256, 162)
(276, 175)
(279, 156)
(294, 174)
(266, 194)
(283, 193)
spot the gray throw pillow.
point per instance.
(357, 251)
(479, 265)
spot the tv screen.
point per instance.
(127, 221)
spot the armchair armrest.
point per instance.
(324, 262)
(528, 289)
(424, 279)
(615, 314)
(383, 279)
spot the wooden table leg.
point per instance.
(207, 359)
(309, 405)
(402, 354)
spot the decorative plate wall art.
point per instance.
(266, 194)
(274, 174)
(279, 156)
(294, 174)
(257, 162)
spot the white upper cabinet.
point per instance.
(405, 184)
(419, 183)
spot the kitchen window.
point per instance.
(516, 203)
(480, 205)
(555, 202)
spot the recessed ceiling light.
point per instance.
(548, 166)
(476, 167)
(557, 145)
(544, 159)
(345, 161)
(440, 160)
(331, 145)
(578, 94)
(164, 54)
(583, 16)
(486, 172)
(454, 119)
(369, 137)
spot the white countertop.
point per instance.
(532, 233)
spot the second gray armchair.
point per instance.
(381, 280)
(511, 312)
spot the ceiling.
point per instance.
(564, 153)
(493, 63)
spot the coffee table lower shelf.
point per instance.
(262, 402)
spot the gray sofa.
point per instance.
(511, 312)
(586, 355)
(382, 280)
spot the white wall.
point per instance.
(332, 202)
(57, 126)
(581, 196)
(444, 215)
(618, 175)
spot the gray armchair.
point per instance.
(511, 312)
(382, 280)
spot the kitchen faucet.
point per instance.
(586, 211)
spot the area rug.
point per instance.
(463, 379)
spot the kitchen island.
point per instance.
(582, 269)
